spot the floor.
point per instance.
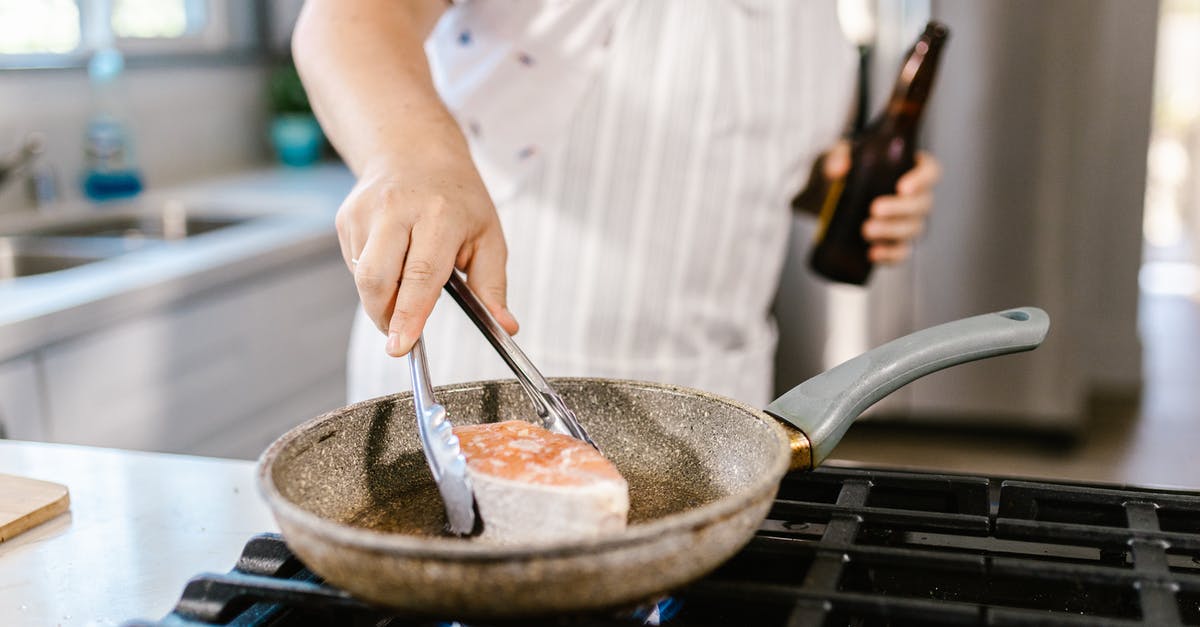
(1153, 441)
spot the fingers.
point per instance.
(922, 178)
(486, 277)
(899, 219)
(427, 266)
(894, 223)
(373, 248)
(837, 160)
(377, 273)
(898, 207)
(899, 230)
(346, 235)
(892, 252)
(401, 247)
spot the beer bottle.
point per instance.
(879, 155)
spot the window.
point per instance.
(64, 33)
(45, 27)
(156, 19)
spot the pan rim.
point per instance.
(442, 547)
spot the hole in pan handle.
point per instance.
(823, 407)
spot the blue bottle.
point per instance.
(110, 169)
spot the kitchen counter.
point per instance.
(183, 345)
(296, 208)
(140, 525)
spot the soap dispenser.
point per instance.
(110, 168)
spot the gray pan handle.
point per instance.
(824, 406)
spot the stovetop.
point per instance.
(851, 547)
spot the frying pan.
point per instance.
(355, 500)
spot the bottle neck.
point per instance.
(913, 86)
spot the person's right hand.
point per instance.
(405, 227)
(419, 209)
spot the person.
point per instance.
(616, 171)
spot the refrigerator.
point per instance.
(1041, 119)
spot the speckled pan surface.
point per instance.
(355, 500)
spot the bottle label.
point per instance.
(829, 206)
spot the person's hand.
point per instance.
(895, 220)
(403, 229)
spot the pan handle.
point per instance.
(823, 407)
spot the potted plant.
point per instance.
(295, 133)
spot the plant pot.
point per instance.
(297, 139)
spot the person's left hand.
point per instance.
(895, 220)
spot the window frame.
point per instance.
(231, 33)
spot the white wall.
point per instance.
(188, 122)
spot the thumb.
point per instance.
(486, 277)
(837, 160)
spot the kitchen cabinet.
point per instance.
(221, 372)
(21, 415)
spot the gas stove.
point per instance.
(850, 547)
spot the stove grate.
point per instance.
(855, 547)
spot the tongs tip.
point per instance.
(443, 450)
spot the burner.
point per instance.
(852, 547)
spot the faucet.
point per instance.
(21, 158)
(40, 178)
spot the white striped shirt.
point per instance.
(647, 228)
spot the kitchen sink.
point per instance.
(45, 243)
(28, 256)
(165, 225)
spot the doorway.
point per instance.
(1169, 280)
(1171, 258)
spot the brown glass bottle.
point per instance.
(884, 151)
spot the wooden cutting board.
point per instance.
(27, 503)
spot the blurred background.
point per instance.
(169, 275)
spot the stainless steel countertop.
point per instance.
(297, 205)
(140, 525)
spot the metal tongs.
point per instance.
(442, 450)
(555, 414)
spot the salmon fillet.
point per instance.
(533, 485)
